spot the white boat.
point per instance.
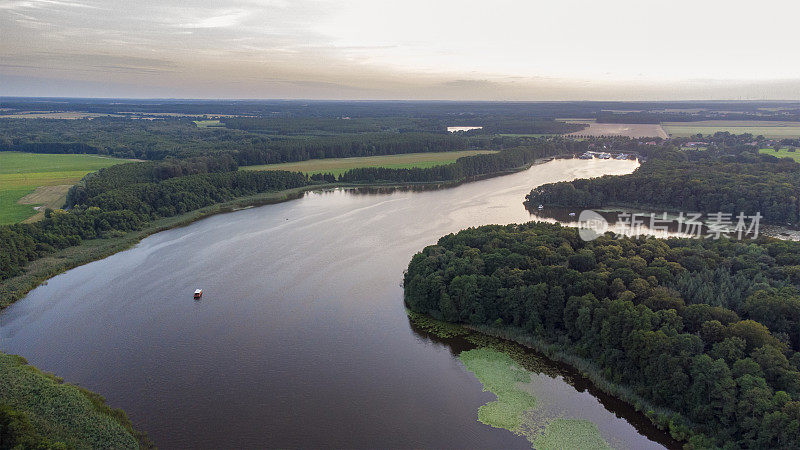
(198, 293)
(541, 207)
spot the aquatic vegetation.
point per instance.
(570, 433)
(500, 374)
(437, 327)
(516, 410)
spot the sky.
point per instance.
(410, 49)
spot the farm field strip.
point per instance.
(635, 130)
(765, 128)
(783, 153)
(209, 124)
(734, 123)
(337, 166)
(29, 179)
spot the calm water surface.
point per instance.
(301, 338)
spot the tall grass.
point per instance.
(63, 413)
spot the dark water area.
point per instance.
(301, 338)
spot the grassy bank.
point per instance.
(39, 410)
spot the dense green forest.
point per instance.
(705, 331)
(704, 181)
(180, 138)
(334, 125)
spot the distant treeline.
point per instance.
(417, 109)
(658, 117)
(702, 181)
(519, 125)
(350, 145)
(701, 335)
(160, 139)
(333, 125)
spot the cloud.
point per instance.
(220, 20)
(38, 4)
(368, 49)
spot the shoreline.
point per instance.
(582, 372)
(41, 270)
(586, 370)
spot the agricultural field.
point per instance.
(337, 166)
(72, 115)
(30, 179)
(208, 123)
(782, 153)
(635, 130)
(766, 128)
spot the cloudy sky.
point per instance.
(409, 49)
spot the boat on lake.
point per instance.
(198, 293)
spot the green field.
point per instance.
(783, 153)
(768, 129)
(337, 166)
(208, 123)
(40, 179)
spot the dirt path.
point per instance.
(52, 197)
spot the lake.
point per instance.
(301, 338)
(462, 128)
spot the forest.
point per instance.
(704, 333)
(729, 181)
(180, 138)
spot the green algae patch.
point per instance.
(570, 433)
(499, 374)
(504, 368)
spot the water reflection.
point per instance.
(619, 222)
